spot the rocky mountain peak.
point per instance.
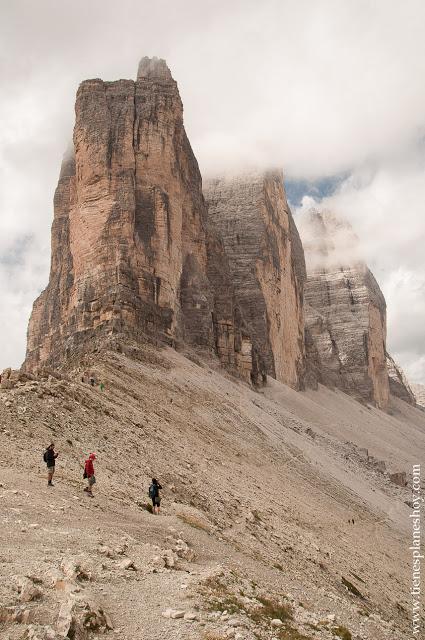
(154, 69)
(140, 252)
(345, 313)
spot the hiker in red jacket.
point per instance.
(89, 474)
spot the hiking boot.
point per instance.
(50, 484)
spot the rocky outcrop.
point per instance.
(345, 312)
(129, 237)
(399, 385)
(419, 394)
(266, 260)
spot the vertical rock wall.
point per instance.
(265, 256)
(131, 254)
(345, 312)
(399, 385)
(128, 237)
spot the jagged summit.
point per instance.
(153, 69)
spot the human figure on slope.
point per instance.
(154, 495)
(49, 457)
(89, 474)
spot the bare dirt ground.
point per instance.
(276, 523)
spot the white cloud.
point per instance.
(315, 87)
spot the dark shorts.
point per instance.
(156, 501)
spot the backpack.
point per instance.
(45, 456)
(153, 491)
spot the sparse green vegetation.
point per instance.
(350, 586)
(342, 632)
(357, 577)
(271, 609)
(221, 599)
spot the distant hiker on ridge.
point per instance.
(49, 458)
(154, 495)
(89, 474)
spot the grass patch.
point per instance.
(221, 599)
(350, 586)
(193, 521)
(357, 577)
(342, 632)
(271, 609)
(145, 505)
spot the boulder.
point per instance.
(78, 616)
(174, 614)
(28, 591)
(40, 632)
(398, 478)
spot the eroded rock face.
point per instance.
(419, 394)
(266, 260)
(399, 385)
(129, 236)
(233, 342)
(345, 312)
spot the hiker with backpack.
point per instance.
(89, 474)
(49, 458)
(154, 496)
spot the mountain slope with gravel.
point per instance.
(279, 517)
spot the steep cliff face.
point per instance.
(345, 312)
(266, 260)
(399, 386)
(233, 341)
(129, 237)
(419, 394)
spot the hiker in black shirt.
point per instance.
(50, 459)
(154, 495)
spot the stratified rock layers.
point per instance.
(129, 237)
(399, 385)
(345, 312)
(266, 261)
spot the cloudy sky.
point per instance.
(333, 91)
